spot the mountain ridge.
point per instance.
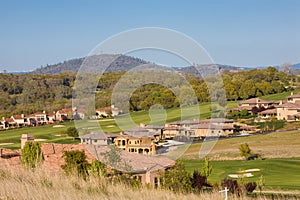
(125, 63)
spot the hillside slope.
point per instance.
(122, 63)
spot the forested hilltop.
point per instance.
(29, 93)
(121, 63)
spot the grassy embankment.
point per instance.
(41, 185)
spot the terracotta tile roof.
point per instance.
(217, 120)
(294, 96)
(10, 158)
(16, 117)
(65, 111)
(289, 105)
(254, 101)
(140, 134)
(53, 155)
(212, 126)
(269, 111)
(243, 108)
(185, 122)
(137, 162)
(10, 120)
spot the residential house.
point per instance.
(98, 138)
(170, 132)
(138, 142)
(205, 130)
(288, 111)
(110, 111)
(147, 169)
(20, 120)
(4, 123)
(294, 98)
(268, 114)
(64, 114)
(255, 102)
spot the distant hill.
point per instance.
(122, 63)
(125, 63)
(222, 68)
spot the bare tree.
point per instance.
(287, 67)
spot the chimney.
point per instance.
(292, 93)
(44, 112)
(22, 115)
(142, 125)
(26, 138)
(280, 102)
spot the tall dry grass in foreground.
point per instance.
(40, 185)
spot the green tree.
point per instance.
(261, 183)
(113, 159)
(206, 168)
(97, 168)
(75, 163)
(32, 155)
(245, 150)
(72, 132)
(177, 179)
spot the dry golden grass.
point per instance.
(40, 185)
(274, 145)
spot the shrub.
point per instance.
(32, 155)
(76, 163)
(250, 187)
(199, 181)
(245, 150)
(177, 179)
(72, 132)
(232, 185)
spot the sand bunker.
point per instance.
(59, 126)
(3, 144)
(246, 175)
(249, 170)
(39, 140)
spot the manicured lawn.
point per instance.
(273, 145)
(278, 173)
(123, 122)
(279, 96)
(49, 133)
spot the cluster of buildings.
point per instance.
(142, 146)
(147, 169)
(288, 109)
(42, 118)
(149, 139)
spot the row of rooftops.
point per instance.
(53, 158)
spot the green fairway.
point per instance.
(278, 173)
(279, 96)
(47, 133)
(56, 135)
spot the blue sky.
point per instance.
(242, 33)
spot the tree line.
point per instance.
(29, 93)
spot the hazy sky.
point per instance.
(241, 32)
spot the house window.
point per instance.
(83, 140)
(95, 141)
(156, 182)
(123, 142)
(138, 178)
